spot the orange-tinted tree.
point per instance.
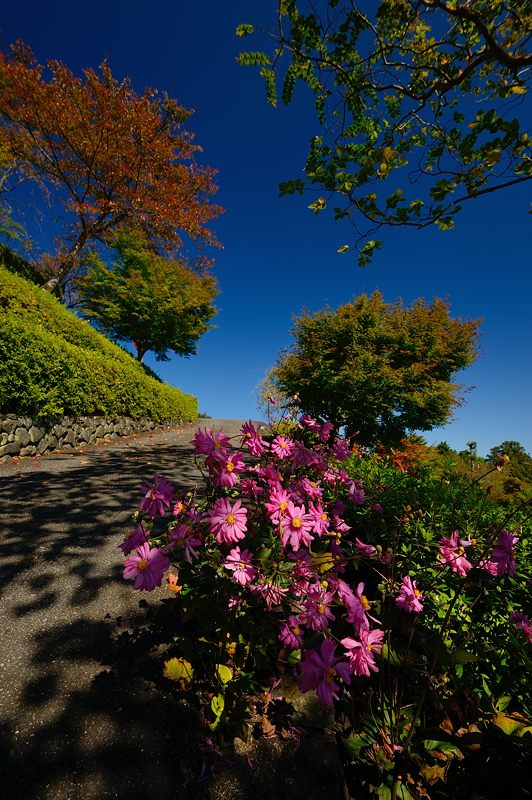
(112, 156)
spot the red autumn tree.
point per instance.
(112, 156)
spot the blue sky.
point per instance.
(278, 257)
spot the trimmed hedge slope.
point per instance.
(52, 363)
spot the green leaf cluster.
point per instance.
(378, 368)
(53, 363)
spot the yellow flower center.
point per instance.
(230, 518)
(229, 466)
(282, 445)
(297, 522)
(283, 505)
(329, 675)
(417, 592)
(143, 564)
(321, 609)
(324, 516)
(296, 630)
(459, 551)
(364, 600)
(369, 647)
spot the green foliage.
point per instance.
(520, 464)
(19, 266)
(378, 368)
(52, 363)
(411, 92)
(157, 304)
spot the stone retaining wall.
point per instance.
(23, 436)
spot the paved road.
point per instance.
(69, 725)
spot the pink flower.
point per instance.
(320, 519)
(409, 598)
(325, 431)
(147, 566)
(522, 623)
(357, 608)
(316, 607)
(301, 455)
(340, 450)
(377, 508)
(183, 536)
(503, 554)
(282, 447)
(291, 634)
(361, 653)
(296, 525)
(228, 522)
(251, 438)
(319, 669)
(312, 489)
(310, 423)
(135, 538)
(226, 468)
(278, 503)
(240, 564)
(356, 493)
(452, 550)
(271, 593)
(157, 496)
(209, 443)
(251, 488)
(365, 549)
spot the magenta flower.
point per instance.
(251, 438)
(282, 447)
(452, 552)
(503, 553)
(296, 525)
(522, 623)
(316, 608)
(301, 455)
(312, 489)
(278, 503)
(209, 443)
(225, 469)
(147, 566)
(340, 450)
(319, 669)
(157, 496)
(409, 598)
(271, 593)
(182, 536)
(356, 493)
(240, 564)
(358, 606)
(325, 431)
(228, 522)
(310, 423)
(133, 539)
(361, 653)
(365, 549)
(320, 519)
(291, 634)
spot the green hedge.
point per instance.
(52, 363)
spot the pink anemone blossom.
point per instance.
(240, 563)
(410, 597)
(320, 671)
(282, 447)
(133, 539)
(157, 496)
(252, 439)
(228, 522)
(183, 536)
(296, 525)
(503, 555)
(361, 653)
(452, 552)
(365, 549)
(291, 633)
(147, 566)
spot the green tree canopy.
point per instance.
(158, 304)
(520, 465)
(380, 369)
(420, 104)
